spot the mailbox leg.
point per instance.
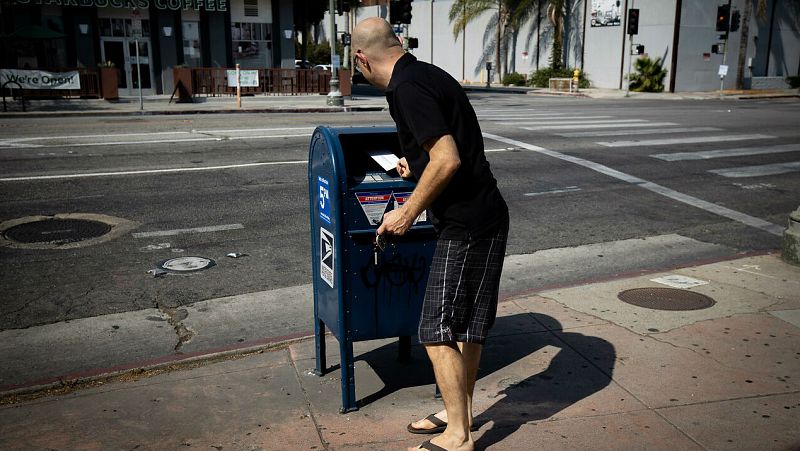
(404, 349)
(319, 341)
(348, 376)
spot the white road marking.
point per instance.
(614, 125)
(725, 153)
(176, 137)
(520, 115)
(568, 121)
(239, 130)
(684, 140)
(148, 171)
(39, 138)
(759, 171)
(207, 229)
(502, 149)
(649, 131)
(568, 189)
(679, 281)
(650, 186)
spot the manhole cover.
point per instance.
(665, 299)
(186, 264)
(57, 231)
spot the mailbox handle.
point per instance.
(413, 229)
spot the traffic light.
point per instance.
(395, 12)
(723, 17)
(633, 21)
(345, 38)
(640, 49)
(405, 11)
(736, 19)
(413, 43)
(715, 48)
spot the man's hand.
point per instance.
(395, 222)
(402, 168)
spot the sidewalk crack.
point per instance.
(175, 317)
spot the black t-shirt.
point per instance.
(426, 102)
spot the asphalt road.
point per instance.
(575, 172)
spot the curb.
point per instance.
(100, 113)
(84, 379)
(99, 376)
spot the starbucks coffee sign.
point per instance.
(175, 5)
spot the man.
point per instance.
(443, 148)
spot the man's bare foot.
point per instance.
(425, 425)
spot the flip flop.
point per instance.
(431, 447)
(440, 426)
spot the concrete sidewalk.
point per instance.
(161, 104)
(569, 368)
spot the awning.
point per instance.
(34, 32)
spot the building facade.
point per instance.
(680, 32)
(51, 34)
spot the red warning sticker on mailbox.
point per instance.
(402, 198)
(374, 204)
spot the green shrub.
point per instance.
(649, 76)
(514, 79)
(319, 53)
(541, 78)
(794, 81)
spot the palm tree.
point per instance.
(524, 10)
(650, 75)
(511, 15)
(462, 12)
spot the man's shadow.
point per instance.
(579, 366)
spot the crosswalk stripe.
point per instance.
(656, 188)
(571, 122)
(648, 131)
(521, 116)
(561, 119)
(725, 153)
(685, 140)
(760, 170)
(585, 125)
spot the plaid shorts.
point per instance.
(461, 296)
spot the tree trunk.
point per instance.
(745, 35)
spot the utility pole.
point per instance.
(723, 68)
(334, 96)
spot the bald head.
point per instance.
(376, 49)
(375, 37)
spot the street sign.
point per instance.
(249, 78)
(723, 70)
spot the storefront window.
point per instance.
(252, 44)
(122, 28)
(191, 44)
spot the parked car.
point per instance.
(358, 78)
(302, 64)
(323, 67)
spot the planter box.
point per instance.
(109, 83)
(345, 85)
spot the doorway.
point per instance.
(122, 52)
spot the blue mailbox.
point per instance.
(360, 293)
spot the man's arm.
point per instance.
(443, 164)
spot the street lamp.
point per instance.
(334, 96)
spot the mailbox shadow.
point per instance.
(568, 378)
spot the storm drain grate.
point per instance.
(665, 299)
(57, 231)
